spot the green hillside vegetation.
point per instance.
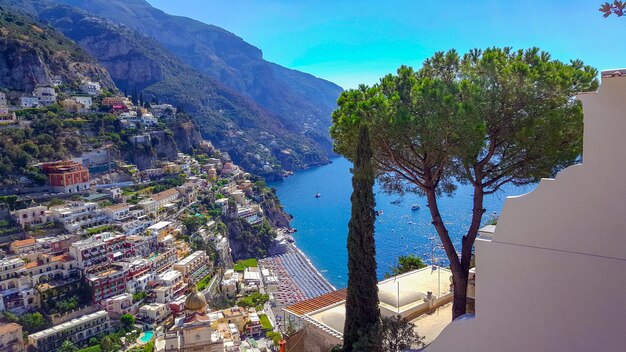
(19, 27)
(55, 134)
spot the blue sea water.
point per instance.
(322, 223)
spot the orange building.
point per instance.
(67, 176)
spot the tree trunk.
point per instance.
(459, 302)
(459, 266)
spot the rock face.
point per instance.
(130, 60)
(274, 211)
(186, 136)
(161, 146)
(32, 54)
(247, 241)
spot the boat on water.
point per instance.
(415, 206)
(317, 195)
(378, 212)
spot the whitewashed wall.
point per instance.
(553, 276)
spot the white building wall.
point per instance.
(552, 276)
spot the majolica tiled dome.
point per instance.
(195, 301)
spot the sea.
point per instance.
(322, 223)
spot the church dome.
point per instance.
(195, 301)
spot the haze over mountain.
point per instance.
(300, 100)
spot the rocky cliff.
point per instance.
(32, 54)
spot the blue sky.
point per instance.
(353, 42)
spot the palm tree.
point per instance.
(68, 346)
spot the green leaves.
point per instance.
(488, 116)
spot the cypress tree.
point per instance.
(133, 97)
(361, 329)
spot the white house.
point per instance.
(85, 101)
(91, 88)
(120, 304)
(31, 216)
(154, 312)
(117, 211)
(29, 102)
(46, 95)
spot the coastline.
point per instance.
(317, 272)
(297, 278)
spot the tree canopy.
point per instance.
(127, 321)
(397, 335)
(487, 118)
(67, 346)
(405, 264)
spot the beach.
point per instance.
(297, 278)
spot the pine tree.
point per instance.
(362, 324)
(141, 99)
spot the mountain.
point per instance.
(254, 137)
(300, 100)
(32, 54)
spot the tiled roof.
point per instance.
(195, 317)
(165, 194)
(313, 304)
(6, 328)
(115, 207)
(614, 73)
(62, 258)
(22, 243)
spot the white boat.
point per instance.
(317, 195)
(415, 206)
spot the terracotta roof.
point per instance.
(117, 206)
(196, 317)
(6, 328)
(22, 243)
(317, 303)
(165, 194)
(62, 258)
(614, 73)
(31, 265)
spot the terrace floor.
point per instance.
(430, 325)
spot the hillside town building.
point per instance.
(67, 176)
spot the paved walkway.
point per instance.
(431, 325)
